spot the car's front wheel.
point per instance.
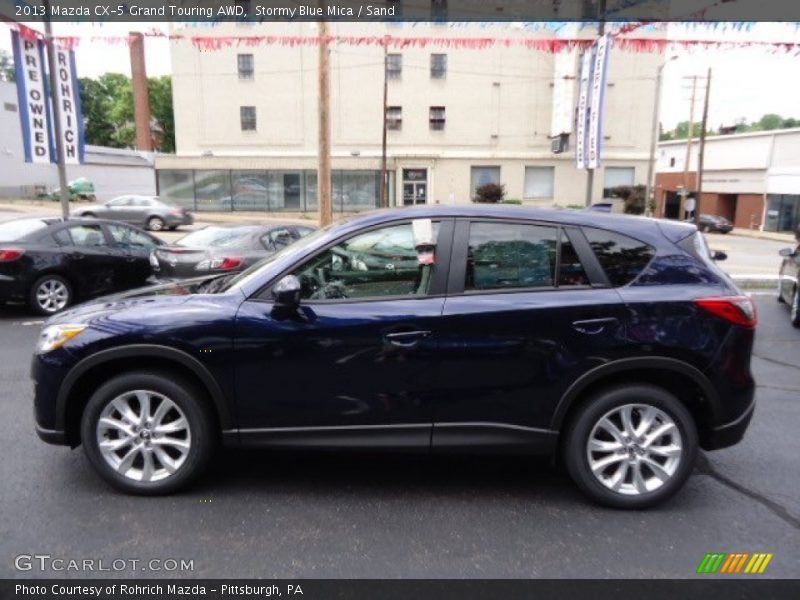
(147, 433)
(631, 446)
(155, 224)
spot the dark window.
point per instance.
(247, 114)
(394, 66)
(277, 238)
(120, 201)
(10, 106)
(570, 270)
(437, 118)
(438, 66)
(87, 235)
(381, 262)
(621, 257)
(509, 255)
(129, 237)
(245, 64)
(439, 10)
(394, 118)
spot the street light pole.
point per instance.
(52, 65)
(702, 152)
(384, 173)
(601, 31)
(654, 133)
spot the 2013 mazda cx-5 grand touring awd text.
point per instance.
(612, 342)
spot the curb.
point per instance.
(756, 282)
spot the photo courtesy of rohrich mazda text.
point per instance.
(332, 298)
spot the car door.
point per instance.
(132, 247)
(357, 361)
(88, 258)
(523, 318)
(118, 209)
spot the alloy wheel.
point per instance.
(634, 449)
(144, 436)
(52, 295)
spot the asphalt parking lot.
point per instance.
(262, 514)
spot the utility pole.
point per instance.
(701, 156)
(324, 175)
(384, 173)
(689, 147)
(52, 66)
(601, 30)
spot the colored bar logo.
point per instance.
(735, 563)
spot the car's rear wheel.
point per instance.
(88, 215)
(147, 433)
(155, 223)
(631, 446)
(795, 307)
(50, 294)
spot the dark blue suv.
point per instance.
(614, 342)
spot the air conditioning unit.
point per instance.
(560, 143)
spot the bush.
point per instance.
(516, 201)
(490, 193)
(633, 196)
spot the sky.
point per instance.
(746, 83)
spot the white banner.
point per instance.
(583, 110)
(67, 102)
(29, 63)
(597, 102)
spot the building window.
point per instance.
(437, 118)
(247, 114)
(245, 64)
(439, 10)
(482, 176)
(394, 66)
(10, 106)
(616, 177)
(438, 66)
(539, 182)
(394, 118)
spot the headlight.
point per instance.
(55, 336)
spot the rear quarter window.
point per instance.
(622, 258)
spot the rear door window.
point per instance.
(128, 237)
(621, 257)
(510, 255)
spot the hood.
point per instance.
(148, 298)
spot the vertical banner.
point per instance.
(581, 124)
(32, 97)
(67, 102)
(597, 101)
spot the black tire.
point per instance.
(173, 227)
(190, 400)
(89, 215)
(580, 428)
(156, 224)
(50, 308)
(794, 306)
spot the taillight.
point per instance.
(738, 310)
(178, 212)
(9, 254)
(230, 263)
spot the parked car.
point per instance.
(51, 263)
(714, 224)
(223, 249)
(788, 286)
(149, 212)
(614, 342)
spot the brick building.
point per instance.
(752, 179)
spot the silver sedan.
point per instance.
(149, 212)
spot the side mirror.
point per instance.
(786, 252)
(718, 255)
(286, 293)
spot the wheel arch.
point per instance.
(684, 381)
(94, 370)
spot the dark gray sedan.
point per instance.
(219, 249)
(145, 211)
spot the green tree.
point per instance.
(7, 72)
(160, 94)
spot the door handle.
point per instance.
(593, 326)
(406, 339)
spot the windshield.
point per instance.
(253, 270)
(218, 237)
(14, 230)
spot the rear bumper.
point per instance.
(11, 288)
(729, 433)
